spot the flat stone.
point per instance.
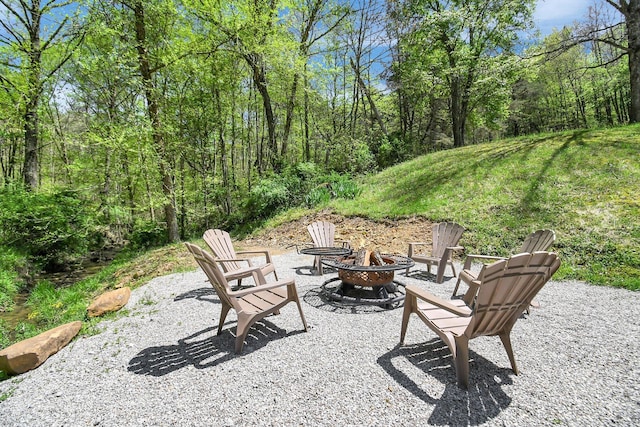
(26, 355)
(109, 301)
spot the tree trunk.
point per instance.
(260, 81)
(156, 125)
(31, 137)
(633, 30)
(31, 145)
(307, 145)
(630, 9)
(458, 116)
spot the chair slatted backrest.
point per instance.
(208, 264)
(506, 290)
(322, 233)
(445, 234)
(220, 243)
(540, 240)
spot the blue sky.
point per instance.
(552, 14)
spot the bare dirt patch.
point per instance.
(387, 236)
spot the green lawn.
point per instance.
(585, 185)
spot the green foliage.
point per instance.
(52, 229)
(147, 234)
(304, 184)
(268, 197)
(391, 151)
(343, 186)
(318, 196)
(4, 334)
(352, 156)
(10, 282)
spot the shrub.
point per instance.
(53, 229)
(343, 187)
(318, 196)
(147, 234)
(10, 281)
(268, 197)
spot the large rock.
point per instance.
(31, 353)
(109, 301)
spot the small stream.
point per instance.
(20, 312)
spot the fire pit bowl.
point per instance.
(367, 284)
(370, 277)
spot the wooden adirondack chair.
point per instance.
(323, 235)
(251, 304)
(540, 240)
(445, 238)
(220, 244)
(505, 289)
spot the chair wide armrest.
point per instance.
(470, 257)
(263, 287)
(243, 272)
(233, 260)
(412, 248)
(438, 302)
(266, 254)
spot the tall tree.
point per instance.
(40, 52)
(152, 96)
(316, 19)
(467, 45)
(630, 10)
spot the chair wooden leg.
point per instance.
(461, 359)
(242, 329)
(304, 321)
(505, 337)
(440, 275)
(293, 296)
(455, 290)
(409, 304)
(223, 316)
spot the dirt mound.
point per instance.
(388, 236)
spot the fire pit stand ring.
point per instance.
(370, 285)
(387, 296)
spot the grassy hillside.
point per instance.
(585, 185)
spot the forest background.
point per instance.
(142, 123)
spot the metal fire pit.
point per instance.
(367, 284)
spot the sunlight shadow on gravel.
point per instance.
(414, 367)
(203, 350)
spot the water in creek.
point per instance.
(20, 312)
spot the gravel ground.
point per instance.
(161, 364)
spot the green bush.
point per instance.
(303, 184)
(318, 196)
(343, 187)
(148, 234)
(5, 335)
(53, 229)
(11, 263)
(269, 196)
